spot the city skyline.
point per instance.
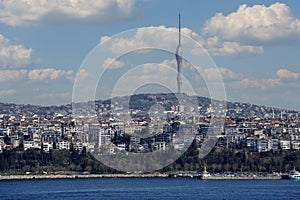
(255, 45)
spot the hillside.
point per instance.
(144, 101)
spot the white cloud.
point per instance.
(41, 12)
(12, 55)
(247, 83)
(82, 74)
(12, 75)
(258, 24)
(49, 74)
(158, 36)
(165, 67)
(286, 74)
(154, 69)
(38, 74)
(112, 63)
(259, 84)
(7, 92)
(226, 74)
(270, 83)
(234, 48)
(268, 91)
(162, 37)
(266, 83)
(170, 63)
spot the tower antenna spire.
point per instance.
(179, 22)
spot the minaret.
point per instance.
(178, 56)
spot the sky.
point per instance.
(46, 47)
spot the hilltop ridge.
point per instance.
(144, 101)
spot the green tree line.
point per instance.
(17, 161)
(221, 160)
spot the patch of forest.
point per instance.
(219, 160)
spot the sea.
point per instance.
(148, 188)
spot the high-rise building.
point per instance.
(178, 56)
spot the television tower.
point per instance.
(178, 56)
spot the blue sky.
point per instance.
(255, 44)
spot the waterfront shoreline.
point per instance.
(243, 178)
(90, 176)
(81, 176)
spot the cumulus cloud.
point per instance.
(226, 74)
(246, 83)
(238, 81)
(259, 84)
(163, 37)
(166, 67)
(10, 92)
(258, 24)
(49, 74)
(267, 83)
(82, 74)
(270, 83)
(274, 90)
(112, 63)
(12, 75)
(158, 36)
(41, 12)
(233, 49)
(12, 55)
(160, 68)
(38, 74)
(286, 74)
(172, 63)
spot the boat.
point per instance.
(294, 174)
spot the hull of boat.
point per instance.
(294, 177)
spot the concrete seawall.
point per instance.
(242, 178)
(28, 177)
(81, 176)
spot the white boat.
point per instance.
(294, 174)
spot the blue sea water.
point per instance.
(148, 188)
